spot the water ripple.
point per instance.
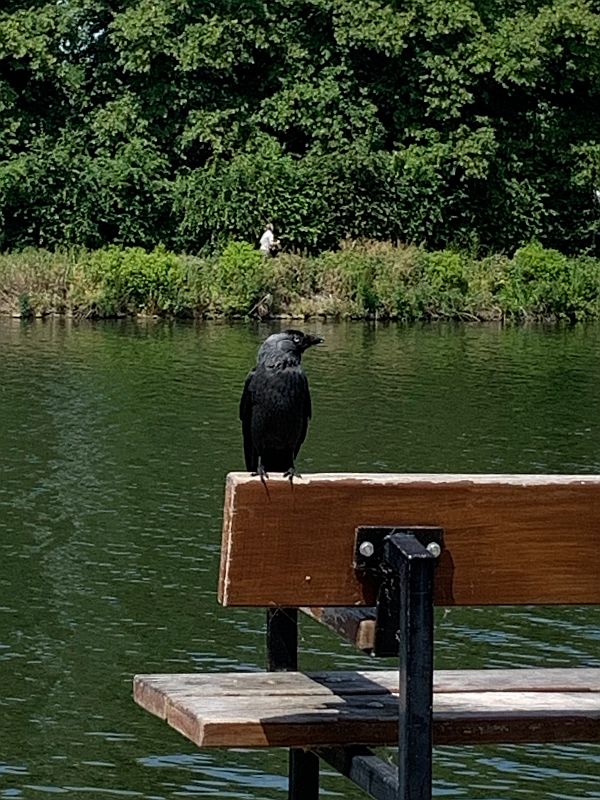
(114, 442)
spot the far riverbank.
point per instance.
(361, 280)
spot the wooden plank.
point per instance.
(509, 539)
(328, 709)
(356, 625)
(358, 719)
(147, 689)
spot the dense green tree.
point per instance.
(470, 122)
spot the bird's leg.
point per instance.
(261, 471)
(292, 473)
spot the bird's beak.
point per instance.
(312, 340)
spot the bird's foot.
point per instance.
(292, 473)
(261, 472)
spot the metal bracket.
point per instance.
(370, 560)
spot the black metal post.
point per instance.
(414, 565)
(304, 775)
(282, 639)
(282, 656)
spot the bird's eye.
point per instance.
(297, 339)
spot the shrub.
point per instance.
(367, 276)
(535, 283)
(198, 276)
(440, 284)
(131, 280)
(36, 282)
(242, 275)
(347, 275)
(361, 279)
(295, 285)
(578, 292)
(392, 280)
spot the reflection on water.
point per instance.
(114, 442)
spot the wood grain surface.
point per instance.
(508, 539)
(355, 625)
(341, 708)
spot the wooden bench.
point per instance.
(398, 543)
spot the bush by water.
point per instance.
(360, 280)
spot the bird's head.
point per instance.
(289, 342)
(298, 340)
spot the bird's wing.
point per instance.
(306, 414)
(246, 418)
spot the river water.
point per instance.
(114, 442)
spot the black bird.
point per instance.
(275, 405)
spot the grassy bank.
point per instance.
(362, 279)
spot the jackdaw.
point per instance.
(275, 405)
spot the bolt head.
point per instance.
(366, 549)
(434, 549)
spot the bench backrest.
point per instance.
(508, 539)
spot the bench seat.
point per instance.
(321, 709)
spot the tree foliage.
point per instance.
(466, 122)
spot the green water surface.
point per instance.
(115, 439)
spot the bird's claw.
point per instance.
(261, 472)
(292, 473)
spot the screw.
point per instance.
(366, 549)
(434, 549)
